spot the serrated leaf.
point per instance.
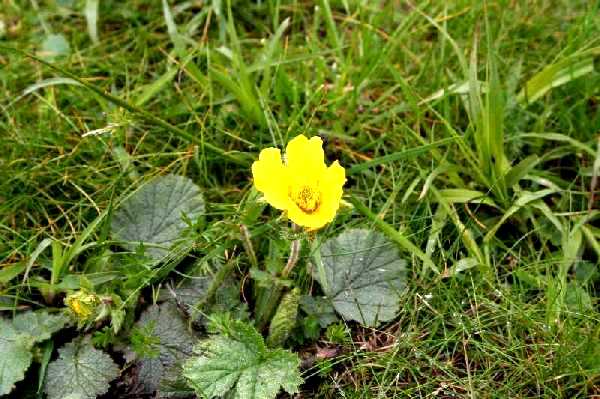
(74, 396)
(363, 275)
(154, 215)
(17, 338)
(15, 350)
(320, 308)
(191, 296)
(80, 371)
(40, 325)
(174, 343)
(188, 296)
(238, 364)
(284, 319)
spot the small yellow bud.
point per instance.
(82, 304)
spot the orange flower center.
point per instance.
(306, 197)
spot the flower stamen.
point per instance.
(307, 198)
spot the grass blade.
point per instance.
(519, 171)
(332, 33)
(405, 154)
(525, 198)
(141, 113)
(558, 74)
(91, 17)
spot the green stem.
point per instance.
(293, 259)
(269, 300)
(248, 247)
(218, 280)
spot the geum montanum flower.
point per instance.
(302, 185)
(82, 304)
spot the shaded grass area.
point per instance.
(432, 108)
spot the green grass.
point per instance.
(469, 131)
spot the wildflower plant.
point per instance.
(300, 183)
(360, 274)
(171, 225)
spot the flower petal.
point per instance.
(305, 157)
(335, 176)
(312, 221)
(331, 187)
(271, 178)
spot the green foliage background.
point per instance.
(469, 130)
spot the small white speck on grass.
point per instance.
(97, 132)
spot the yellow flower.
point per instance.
(304, 187)
(82, 304)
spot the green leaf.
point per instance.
(585, 271)
(517, 172)
(560, 138)
(320, 308)
(189, 295)
(284, 319)
(17, 338)
(363, 275)
(396, 156)
(238, 364)
(193, 297)
(265, 279)
(393, 234)
(462, 265)
(7, 273)
(173, 343)
(463, 196)
(15, 348)
(74, 396)
(558, 74)
(40, 325)
(147, 92)
(437, 225)
(154, 215)
(50, 82)
(589, 352)
(80, 371)
(577, 299)
(174, 35)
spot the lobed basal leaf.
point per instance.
(154, 216)
(17, 338)
(81, 371)
(238, 363)
(363, 275)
